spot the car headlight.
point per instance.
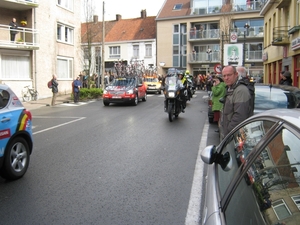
(130, 91)
(105, 92)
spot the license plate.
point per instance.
(151, 87)
(116, 96)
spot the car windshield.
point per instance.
(270, 98)
(151, 79)
(123, 82)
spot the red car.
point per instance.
(129, 89)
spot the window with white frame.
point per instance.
(281, 209)
(296, 199)
(86, 53)
(136, 50)
(15, 65)
(65, 33)
(148, 50)
(114, 52)
(64, 68)
(68, 4)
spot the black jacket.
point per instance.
(288, 81)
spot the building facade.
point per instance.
(127, 41)
(282, 39)
(47, 42)
(202, 35)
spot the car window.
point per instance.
(239, 145)
(276, 98)
(269, 192)
(4, 97)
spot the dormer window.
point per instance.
(177, 7)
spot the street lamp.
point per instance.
(246, 32)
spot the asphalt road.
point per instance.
(93, 164)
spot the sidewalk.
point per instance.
(46, 102)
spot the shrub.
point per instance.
(89, 93)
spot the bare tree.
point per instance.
(88, 35)
(225, 26)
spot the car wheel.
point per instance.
(106, 103)
(16, 159)
(136, 100)
(145, 97)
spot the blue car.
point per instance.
(15, 135)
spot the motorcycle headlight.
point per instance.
(171, 94)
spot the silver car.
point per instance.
(254, 173)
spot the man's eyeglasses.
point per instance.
(227, 75)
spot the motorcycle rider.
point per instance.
(182, 84)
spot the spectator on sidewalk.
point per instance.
(54, 89)
(286, 78)
(77, 85)
(237, 103)
(218, 91)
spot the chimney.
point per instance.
(143, 13)
(95, 18)
(118, 17)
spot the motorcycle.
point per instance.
(190, 87)
(172, 104)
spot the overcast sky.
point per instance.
(126, 8)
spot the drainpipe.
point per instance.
(297, 13)
(34, 51)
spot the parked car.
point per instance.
(269, 97)
(153, 84)
(129, 89)
(15, 135)
(263, 187)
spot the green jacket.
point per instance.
(218, 92)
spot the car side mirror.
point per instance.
(209, 155)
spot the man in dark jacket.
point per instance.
(54, 89)
(286, 78)
(237, 105)
(13, 26)
(77, 85)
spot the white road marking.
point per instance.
(193, 212)
(74, 104)
(60, 125)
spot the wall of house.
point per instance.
(44, 64)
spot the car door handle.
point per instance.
(5, 119)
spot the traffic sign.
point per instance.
(218, 68)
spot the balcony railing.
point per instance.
(207, 10)
(250, 5)
(249, 32)
(253, 55)
(19, 4)
(204, 57)
(214, 57)
(26, 38)
(205, 34)
(280, 36)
